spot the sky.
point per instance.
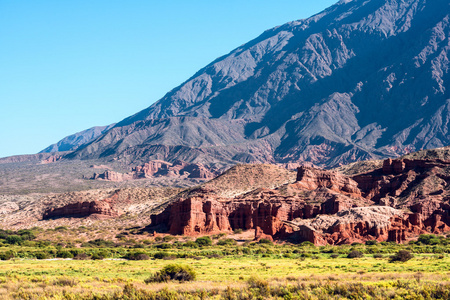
(66, 66)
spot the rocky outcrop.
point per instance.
(402, 199)
(406, 180)
(51, 159)
(157, 168)
(314, 178)
(99, 209)
(207, 215)
(109, 175)
(264, 210)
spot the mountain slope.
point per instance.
(74, 141)
(362, 80)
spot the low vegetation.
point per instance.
(219, 267)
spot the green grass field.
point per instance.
(32, 268)
(56, 279)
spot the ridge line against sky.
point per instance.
(68, 66)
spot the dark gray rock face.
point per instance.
(72, 142)
(363, 79)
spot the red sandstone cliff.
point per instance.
(326, 207)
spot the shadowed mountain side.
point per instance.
(361, 80)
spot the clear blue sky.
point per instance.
(66, 66)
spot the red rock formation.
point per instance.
(320, 206)
(109, 175)
(102, 209)
(51, 159)
(313, 178)
(263, 209)
(149, 169)
(158, 168)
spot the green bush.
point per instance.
(41, 255)
(61, 228)
(173, 272)
(64, 254)
(428, 239)
(307, 244)
(163, 246)
(355, 254)
(401, 256)
(160, 255)
(7, 255)
(168, 238)
(26, 234)
(138, 256)
(226, 242)
(99, 255)
(13, 239)
(371, 243)
(265, 241)
(190, 244)
(204, 241)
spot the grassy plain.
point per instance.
(287, 272)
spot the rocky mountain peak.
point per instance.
(362, 79)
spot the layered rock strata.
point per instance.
(402, 199)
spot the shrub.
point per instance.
(371, 243)
(355, 254)
(265, 241)
(66, 281)
(378, 255)
(101, 243)
(190, 244)
(13, 239)
(429, 239)
(237, 231)
(7, 255)
(226, 242)
(204, 241)
(64, 254)
(26, 234)
(173, 272)
(334, 255)
(138, 256)
(61, 228)
(168, 238)
(99, 255)
(82, 256)
(402, 256)
(255, 282)
(160, 255)
(307, 244)
(41, 255)
(164, 246)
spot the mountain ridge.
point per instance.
(360, 80)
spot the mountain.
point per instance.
(74, 141)
(363, 79)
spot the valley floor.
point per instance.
(276, 276)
